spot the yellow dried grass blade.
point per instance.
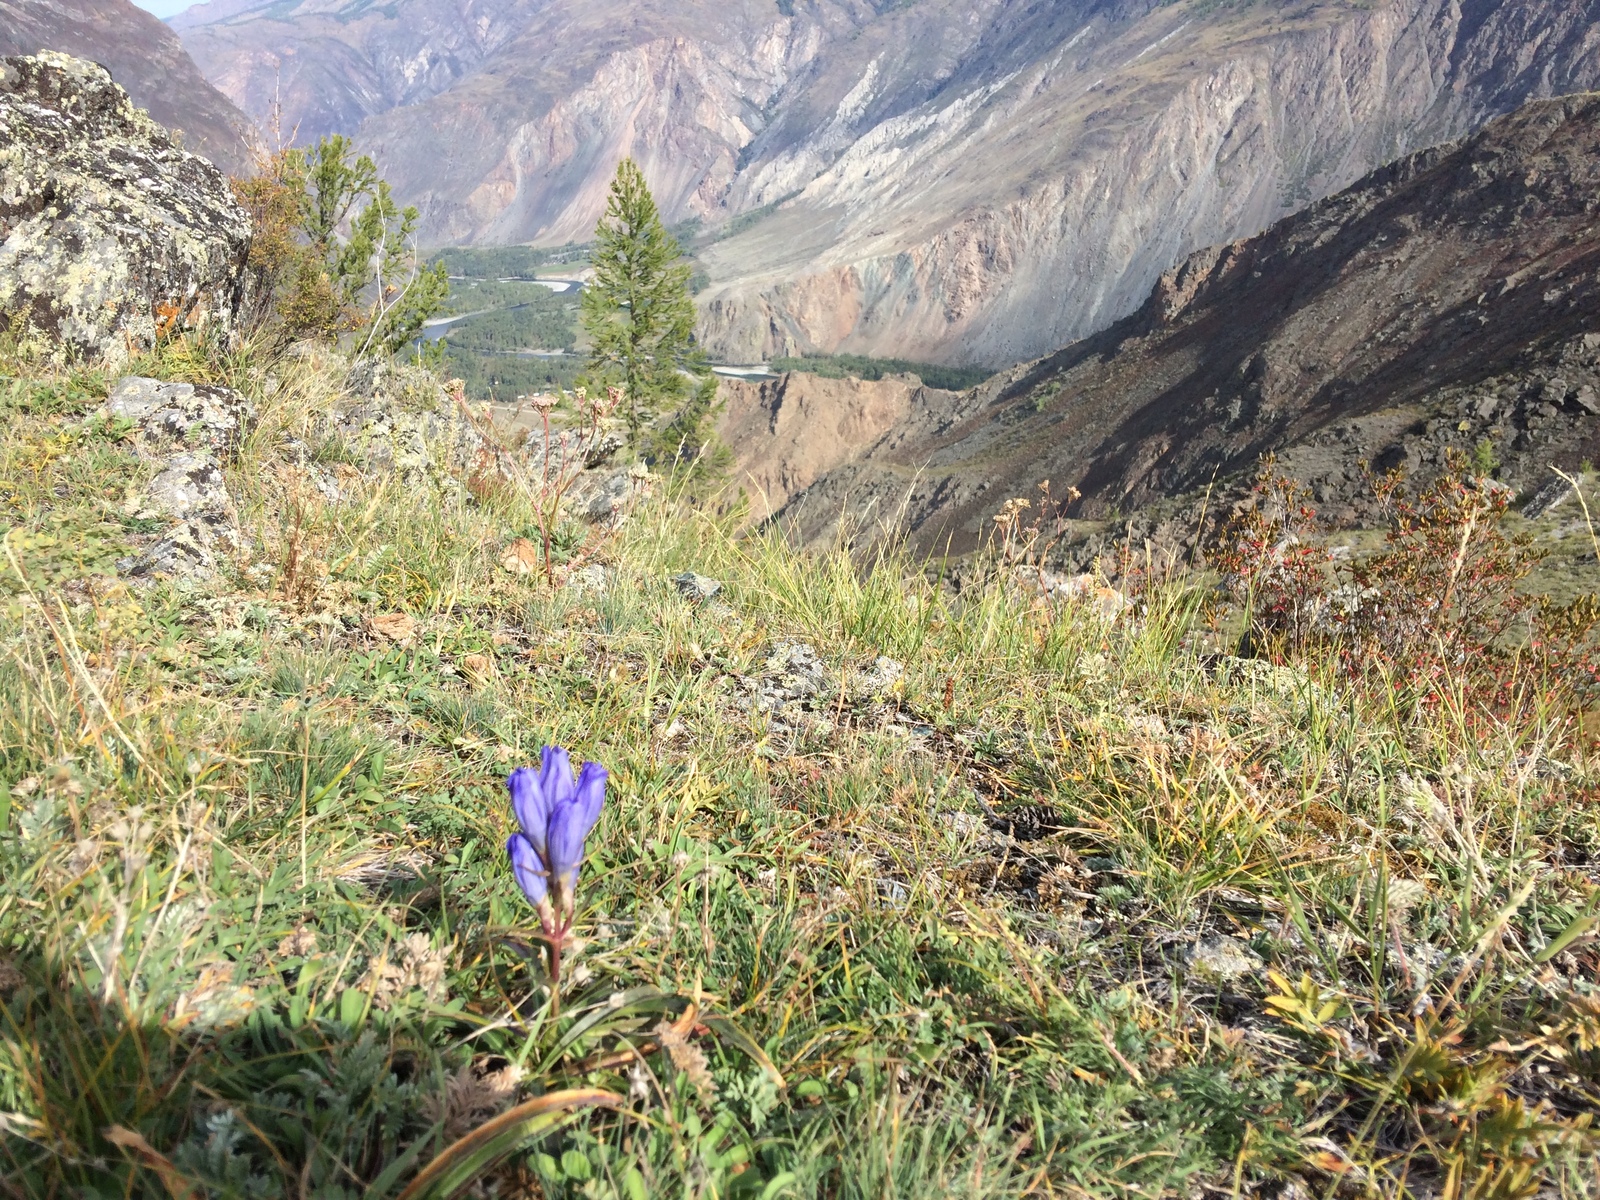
(178, 1187)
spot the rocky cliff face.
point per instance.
(145, 57)
(310, 68)
(792, 431)
(955, 180)
(110, 234)
(1446, 302)
(1039, 200)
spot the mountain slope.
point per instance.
(145, 57)
(1041, 192)
(951, 180)
(1447, 301)
(314, 67)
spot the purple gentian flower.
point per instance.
(555, 816)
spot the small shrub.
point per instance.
(1437, 609)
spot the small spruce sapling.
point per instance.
(637, 310)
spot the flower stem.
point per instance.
(555, 972)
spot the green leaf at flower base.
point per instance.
(777, 1185)
(464, 1160)
(352, 1007)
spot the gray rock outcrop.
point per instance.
(191, 489)
(182, 416)
(189, 431)
(397, 419)
(110, 234)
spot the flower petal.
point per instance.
(555, 777)
(571, 822)
(590, 794)
(528, 869)
(530, 804)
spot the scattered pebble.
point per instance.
(1223, 958)
(394, 627)
(880, 678)
(521, 557)
(697, 588)
(591, 578)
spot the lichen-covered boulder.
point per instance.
(175, 417)
(398, 419)
(187, 486)
(192, 493)
(110, 235)
(188, 550)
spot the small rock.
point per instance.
(591, 578)
(793, 673)
(191, 484)
(394, 627)
(610, 499)
(1223, 958)
(522, 557)
(1554, 390)
(1588, 400)
(1493, 487)
(598, 451)
(1087, 590)
(182, 416)
(966, 824)
(892, 890)
(336, 486)
(1547, 497)
(186, 551)
(880, 677)
(698, 588)
(479, 668)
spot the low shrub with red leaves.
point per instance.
(1442, 609)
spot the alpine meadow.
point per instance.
(800, 601)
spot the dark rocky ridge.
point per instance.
(1449, 299)
(145, 57)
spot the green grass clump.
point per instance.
(860, 366)
(1065, 906)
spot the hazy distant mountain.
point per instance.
(956, 180)
(145, 57)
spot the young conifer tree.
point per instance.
(637, 309)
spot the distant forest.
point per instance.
(505, 377)
(508, 262)
(512, 314)
(539, 323)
